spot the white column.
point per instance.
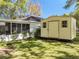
(11, 28)
(21, 28)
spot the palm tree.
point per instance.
(75, 13)
(70, 2)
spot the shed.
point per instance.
(60, 27)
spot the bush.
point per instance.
(10, 45)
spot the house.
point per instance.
(34, 23)
(60, 27)
(10, 29)
(17, 29)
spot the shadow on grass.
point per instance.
(66, 56)
(30, 44)
(55, 40)
(5, 57)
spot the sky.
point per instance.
(54, 7)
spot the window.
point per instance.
(44, 25)
(64, 23)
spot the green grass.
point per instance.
(42, 49)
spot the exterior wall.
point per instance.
(44, 31)
(53, 29)
(64, 33)
(33, 27)
(73, 28)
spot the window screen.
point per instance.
(18, 28)
(8, 29)
(14, 31)
(64, 23)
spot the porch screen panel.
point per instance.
(2, 30)
(27, 27)
(7, 28)
(18, 28)
(23, 28)
(14, 31)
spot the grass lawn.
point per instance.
(41, 49)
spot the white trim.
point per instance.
(11, 28)
(21, 28)
(17, 21)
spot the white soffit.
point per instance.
(2, 23)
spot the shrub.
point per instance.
(10, 45)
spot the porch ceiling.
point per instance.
(15, 21)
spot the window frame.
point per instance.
(64, 24)
(44, 25)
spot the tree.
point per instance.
(12, 8)
(70, 3)
(66, 14)
(34, 8)
(75, 13)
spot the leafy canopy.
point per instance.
(12, 8)
(75, 13)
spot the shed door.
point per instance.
(53, 29)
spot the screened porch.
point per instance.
(12, 29)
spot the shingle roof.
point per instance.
(33, 18)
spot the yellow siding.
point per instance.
(44, 31)
(53, 29)
(73, 28)
(63, 33)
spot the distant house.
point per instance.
(18, 28)
(34, 22)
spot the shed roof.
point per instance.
(59, 17)
(56, 17)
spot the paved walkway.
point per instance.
(4, 51)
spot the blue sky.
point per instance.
(54, 7)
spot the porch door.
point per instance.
(53, 29)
